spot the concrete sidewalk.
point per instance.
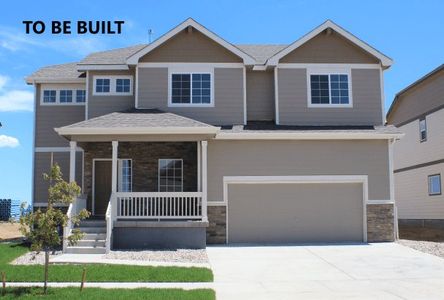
(362, 271)
(98, 259)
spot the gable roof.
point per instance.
(134, 58)
(395, 101)
(111, 57)
(385, 60)
(261, 52)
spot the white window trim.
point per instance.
(112, 85)
(119, 174)
(190, 70)
(158, 171)
(421, 140)
(329, 71)
(429, 181)
(57, 102)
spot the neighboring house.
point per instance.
(418, 111)
(192, 140)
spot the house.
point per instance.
(192, 140)
(418, 111)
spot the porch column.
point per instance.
(114, 167)
(204, 181)
(72, 161)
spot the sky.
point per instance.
(410, 32)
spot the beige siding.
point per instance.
(325, 48)
(42, 164)
(411, 194)
(48, 117)
(293, 104)
(228, 96)
(292, 213)
(190, 47)
(281, 158)
(409, 151)
(260, 96)
(102, 105)
(422, 98)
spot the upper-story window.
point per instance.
(80, 96)
(191, 89)
(63, 97)
(49, 96)
(422, 130)
(113, 85)
(331, 89)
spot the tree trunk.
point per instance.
(45, 287)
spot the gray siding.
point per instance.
(190, 47)
(48, 117)
(42, 164)
(286, 158)
(419, 100)
(260, 96)
(293, 105)
(102, 105)
(228, 96)
(325, 48)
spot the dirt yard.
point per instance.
(9, 231)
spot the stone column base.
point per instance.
(380, 223)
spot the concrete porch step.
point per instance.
(90, 243)
(92, 229)
(93, 223)
(85, 250)
(94, 236)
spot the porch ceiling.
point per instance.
(136, 123)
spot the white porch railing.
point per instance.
(159, 205)
(74, 208)
(109, 224)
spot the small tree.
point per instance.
(41, 227)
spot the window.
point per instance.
(125, 175)
(80, 96)
(103, 85)
(329, 90)
(435, 184)
(49, 96)
(191, 89)
(123, 85)
(65, 96)
(422, 130)
(170, 175)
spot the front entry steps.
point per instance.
(93, 241)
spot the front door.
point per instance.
(102, 186)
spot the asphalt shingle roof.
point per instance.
(138, 118)
(114, 56)
(66, 71)
(261, 52)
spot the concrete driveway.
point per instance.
(363, 271)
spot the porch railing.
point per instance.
(159, 205)
(109, 224)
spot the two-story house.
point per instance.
(418, 111)
(192, 140)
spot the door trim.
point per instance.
(363, 179)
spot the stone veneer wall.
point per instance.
(145, 156)
(216, 230)
(380, 223)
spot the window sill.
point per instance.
(330, 105)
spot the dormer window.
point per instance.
(329, 89)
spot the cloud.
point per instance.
(13, 99)
(8, 141)
(12, 39)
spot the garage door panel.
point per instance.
(291, 213)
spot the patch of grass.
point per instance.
(97, 293)
(95, 272)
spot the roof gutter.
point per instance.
(307, 136)
(136, 130)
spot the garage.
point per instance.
(307, 210)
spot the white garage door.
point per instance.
(295, 212)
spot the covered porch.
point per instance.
(148, 182)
